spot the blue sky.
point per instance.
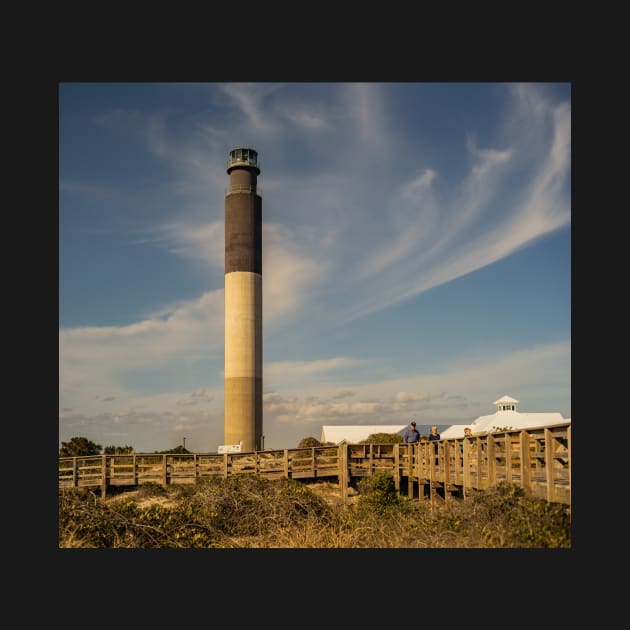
(416, 254)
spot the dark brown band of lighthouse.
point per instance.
(243, 303)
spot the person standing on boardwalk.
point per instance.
(434, 435)
(411, 434)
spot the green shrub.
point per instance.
(382, 438)
(78, 447)
(308, 442)
(378, 493)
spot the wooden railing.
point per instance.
(538, 460)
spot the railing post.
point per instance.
(75, 477)
(419, 471)
(526, 464)
(431, 464)
(343, 471)
(480, 442)
(491, 461)
(447, 469)
(103, 475)
(195, 466)
(410, 470)
(549, 462)
(135, 471)
(467, 445)
(286, 462)
(508, 457)
(225, 465)
(397, 467)
(164, 470)
(371, 459)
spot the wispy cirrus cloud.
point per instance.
(249, 99)
(476, 226)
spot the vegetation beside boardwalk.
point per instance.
(252, 512)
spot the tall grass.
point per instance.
(249, 511)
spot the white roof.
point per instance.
(454, 431)
(356, 433)
(505, 420)
(515, 420)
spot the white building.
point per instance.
(506, 417)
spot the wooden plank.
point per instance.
(430, 461)
(525, 470)
(468, 444)
(490, 453)
(447, 466)
(508, 458)
(164, 470)
(410, 448)
(478, 483)
(104, 475)
(343, 472)
(549, 462)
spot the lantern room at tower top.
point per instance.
(244, 158)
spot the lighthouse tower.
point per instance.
(243, 302)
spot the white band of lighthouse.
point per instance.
(243, 325)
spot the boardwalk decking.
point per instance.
(538, 460)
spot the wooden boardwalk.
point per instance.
(538, 460)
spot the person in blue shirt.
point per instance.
(411, 434)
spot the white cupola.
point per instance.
(506, 403)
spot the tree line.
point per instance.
(82, 446)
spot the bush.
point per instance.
(308, 442)
(378, 493)
(382, 438)
(78, 447)
(250, 511)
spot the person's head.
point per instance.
(467, 431)
(434, 429)
(412, 424)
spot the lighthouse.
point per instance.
(243, 302)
